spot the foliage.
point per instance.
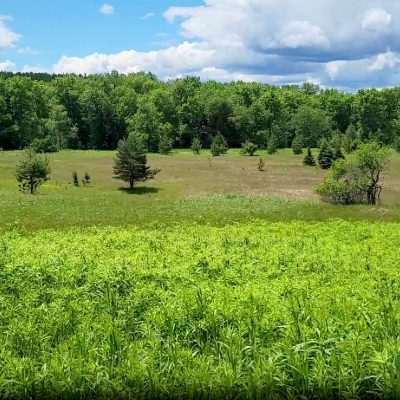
(130, 164)
(87, 180)
(297, 145)
(165, 144)
(196, 146)
(219, 145)
(250, 311)
(358, 179)
(96, 111)
(273, 144)
(396, 145)
(248, 148)
(309, 159)
(326, 155)
(32, 171)
(44, 145)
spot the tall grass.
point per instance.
(289, 310)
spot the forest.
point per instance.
(56, 112)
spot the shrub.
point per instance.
(32, 171)
(248, 148)
(309, 158)
(75, 179)
(297, 145)
(219, 145)
(196, 146)
(261, 165)
(325, 157)
(165, 145)
(273, 144)
(87, 179)
(396, 144)
(44, 145)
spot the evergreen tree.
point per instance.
(196, 145)
(165, 145)
(75, 179)
(397, 144)
(218, 145)
(32, 171)
(272, 145)
(326, 156)
(309, 158)
(130, 164)
(297, 145)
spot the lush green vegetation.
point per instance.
(95, 112)
(248, 311)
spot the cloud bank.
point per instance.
(340, 43)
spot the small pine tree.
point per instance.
(309, 158)
(219, 145)
(196, 146)
(248, 148)
(32, 171)
(261, 165)
(165, 145)
(75, 179)
(297, 145)
(326, 156)
(87, 179)
(130, 164)
(272, 145)
(338, 154)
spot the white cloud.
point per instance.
(8, 38)
(148, 15)
(336, 42)
(107, 9)
(28, 50)
(376, 19)
(7, 66)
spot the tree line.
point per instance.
(53, 112)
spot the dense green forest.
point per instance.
(95, 112)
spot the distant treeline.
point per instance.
(95, 112)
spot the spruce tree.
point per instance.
(196, 146)
(297, 145)
(309, 158)
(248, 148)
(130, 164)
(218, 145)
(326, 156)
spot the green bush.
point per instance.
(309, 158)
(219, 145)
(196, 146)
(326, 156)
(44, 145)
(297, 145)
(248, 148)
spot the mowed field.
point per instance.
(189, 189)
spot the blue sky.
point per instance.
(335, 43)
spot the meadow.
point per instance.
(190, 188)
(214, 280)
(254, 310)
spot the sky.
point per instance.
(346, 44)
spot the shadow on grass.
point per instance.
(140, 190)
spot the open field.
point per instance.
(249, 311)
(189, 188)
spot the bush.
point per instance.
(75, 179)
(273, 144)
(165, 145)
(309, 158)
(396, 144)
(86, 179)
(248, 148)
(32, 171)
(219, 146)
(297, 145)
(44, 145)
(196, 146)
(326, 156)
(261, 165)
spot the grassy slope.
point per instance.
(189, 188)
(274, 311)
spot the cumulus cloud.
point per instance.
(274, 41)
(8, 38)
(107, 9)
(7, 66)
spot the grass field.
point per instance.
(189, 188)
(249, 311)
(215, 280)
